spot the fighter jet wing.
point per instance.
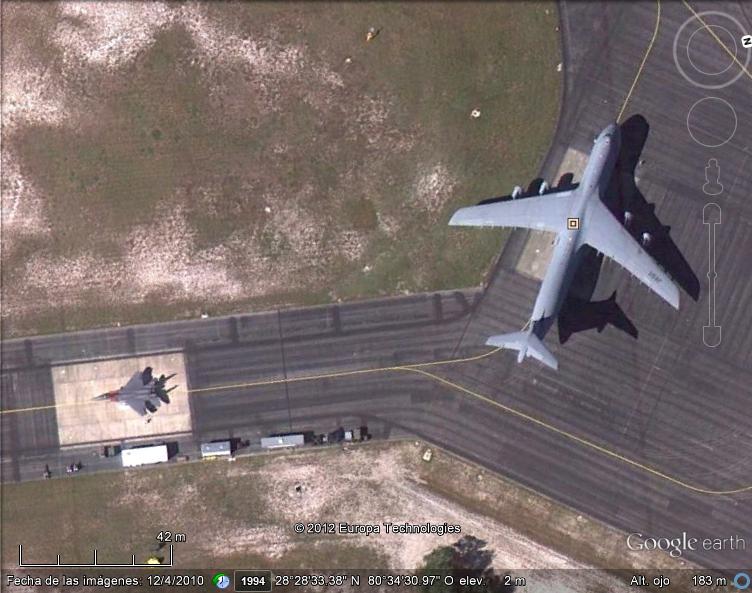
(137, 404)
(545, 213)
(604, 233)
(135, 394)
(134, 383)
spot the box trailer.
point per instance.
(144, 455)
(216, 449)
(283, 441)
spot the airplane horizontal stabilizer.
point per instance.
(527, 344)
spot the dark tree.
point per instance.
(439, 561)
(466, 557)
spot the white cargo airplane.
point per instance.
(579, 218)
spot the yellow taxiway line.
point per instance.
(577, 439)
(642, 64)
(652, 42)
(419, 368)
(718, 39)
(267, 382)
(336, 374)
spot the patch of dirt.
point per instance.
(433, 189)
(22, 207)
(152, 263)
(184, 155)
(360, 485)
(160, 258)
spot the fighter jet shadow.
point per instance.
(629, 205)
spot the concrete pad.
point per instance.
(574, 162)
(81, 420)
(536, 255)
(539, 247)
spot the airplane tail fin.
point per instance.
(527, 344)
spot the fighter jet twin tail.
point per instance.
(579, 218)
(142, 393)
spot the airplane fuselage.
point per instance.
(567, 253)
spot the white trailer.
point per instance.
(282, 442)
(144, 455)
(216, 449)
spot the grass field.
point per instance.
(163, 160)
(228, 513)
(242, 514)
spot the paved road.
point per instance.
(664, 400)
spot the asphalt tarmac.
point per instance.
(643, 433)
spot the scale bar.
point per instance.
(133, 563)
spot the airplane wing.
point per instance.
(135, 403)
(134, 383)
(134, 394)
(604, 233)
(545, 213)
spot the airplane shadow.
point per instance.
(626, 197)
(578, 312)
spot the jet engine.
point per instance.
(516, 192)
(161, 393)
(628, 217)
(646, 239)
(543, 188)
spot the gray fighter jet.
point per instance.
(578, 217)
(142, 393)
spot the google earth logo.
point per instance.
(221, 580)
